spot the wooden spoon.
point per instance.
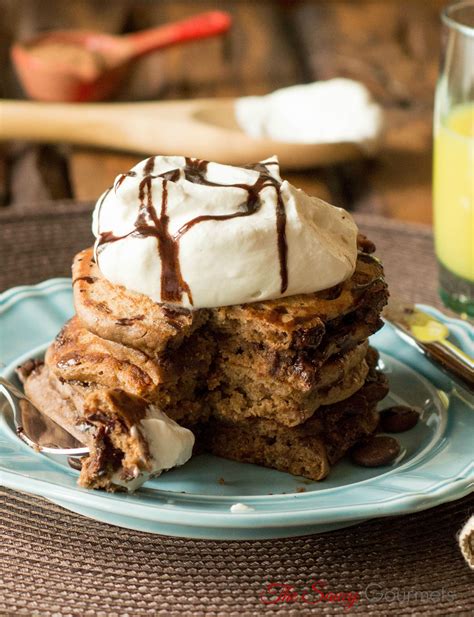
(202, 128)
(79, 65)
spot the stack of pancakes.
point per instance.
(289, 383)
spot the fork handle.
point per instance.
(452, 360)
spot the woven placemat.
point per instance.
(54, 563)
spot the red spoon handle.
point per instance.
(198, 27)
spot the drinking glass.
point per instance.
(453, 168)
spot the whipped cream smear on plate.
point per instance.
(201, 235)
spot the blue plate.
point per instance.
(436, 464)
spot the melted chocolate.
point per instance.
(172, 283)
(27, 368)
(368, 258)
(75, 463)
(129, 174)
(172, 312)
(148, 223)
(128, 321)
(87, 279)
(364, 244)
(149, 166)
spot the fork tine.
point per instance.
(13, 395)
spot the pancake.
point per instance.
(309, 449)
(241, 394)
(301, 322)
(104, 420)
(119, 453)
(293, 323)
(118, 314)
(306, 450)
(63, 403)
(236, 391)
(78, 355)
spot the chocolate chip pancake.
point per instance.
(77, 355)
(251, 326)
(117, 314)
(289, 323)
(243, 393)
(280, 358)
(118, 452)
(308, 450)
(110, 423)
(102, 418)
(60, 401)
(80, 357)
(311, 448)
(301, 322)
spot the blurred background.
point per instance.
(392, 46)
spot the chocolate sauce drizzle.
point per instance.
(149, 223)
(129, 174)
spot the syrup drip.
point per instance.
(148, 223)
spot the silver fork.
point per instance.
(14, 396)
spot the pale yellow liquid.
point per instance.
(453, 185)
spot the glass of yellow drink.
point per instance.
(453, 168)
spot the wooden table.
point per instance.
(392, 46)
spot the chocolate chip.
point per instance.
(364, 244)
(75, 463)
(377, 451)
(27, 368)
(398, 419)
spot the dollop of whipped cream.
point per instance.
(169, 445)
(336, 110)
(201, 235)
